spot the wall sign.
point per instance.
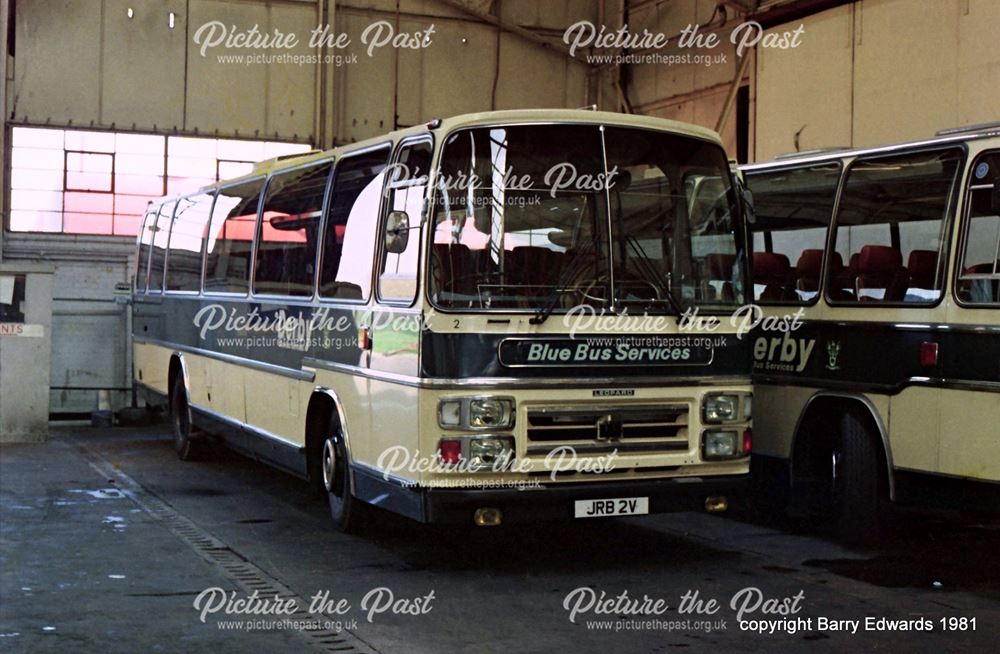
(12, 309)
(20, 329)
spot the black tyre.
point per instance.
(186, 446)
(317, 486)
(345, 510)
(768, 495)
(855, 464)
(810, 502)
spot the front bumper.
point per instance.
(555, 501)
(544, 502)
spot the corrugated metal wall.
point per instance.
(87, 63)
(870, 72)
(689, 92)
(880, 71)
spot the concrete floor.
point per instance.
(106, 539)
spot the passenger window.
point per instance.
(713, 250)
(186, 237)
(405, 193)
(161, 237)
(979, 275)
(145, 243)
(794, 207)
(890, 228)
(230, 238)
(289, 230)
(352, 223)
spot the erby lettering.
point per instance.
(783, 353)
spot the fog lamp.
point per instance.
(490, 452)
(720, 445)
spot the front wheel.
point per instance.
(345, 509)
(185, 446)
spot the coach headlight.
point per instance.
(720, 408)
(479, 413)
(491, 413)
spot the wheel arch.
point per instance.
(178, 366)
(324, 404)
(826, 401)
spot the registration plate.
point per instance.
(618, 506)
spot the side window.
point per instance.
(405, 192)
(351, 226)
(186, 238)
(230, 238)
(145, 244)
(794, 208)
(890, 228)
(161, 237)
(289, 230)
(979, 275)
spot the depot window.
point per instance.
(94, 182)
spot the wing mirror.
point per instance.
(397, 232)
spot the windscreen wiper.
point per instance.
(568, 273)
(653, 276)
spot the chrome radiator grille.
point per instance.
(595, 429)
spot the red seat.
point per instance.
(808, 269)
(852, 269)
(719, 266)
(773, 270)
(922, 266)
(842, 281)
(981, 269)
(881, 267)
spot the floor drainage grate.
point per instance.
(234, 566)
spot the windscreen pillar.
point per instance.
(25, 351)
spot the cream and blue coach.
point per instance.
(479, 319)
